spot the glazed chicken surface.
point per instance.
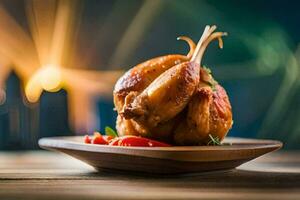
(173, 98)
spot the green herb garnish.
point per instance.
(207, 69)
(110, 132)
(213, 85)
(214, 141)
(211, 82)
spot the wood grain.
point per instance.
(46, 175)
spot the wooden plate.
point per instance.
(163, 160)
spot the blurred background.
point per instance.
(59, 61)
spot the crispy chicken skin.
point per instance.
(173, 99)
(162, 132)
(209, 112)
(138, 78)
(142, 75)
(164, 98)
(135, 81)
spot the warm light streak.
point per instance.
(39, 60)
(33, 89)
(2, 96)
(4, 72)
(17, 47)
(50, 77)
(61, 32)
(46, 78)
(41, 19)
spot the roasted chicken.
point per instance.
(173, 99)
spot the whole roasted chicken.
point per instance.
(173, 98)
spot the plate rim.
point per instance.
(177, 153)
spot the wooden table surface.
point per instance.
(46, 175)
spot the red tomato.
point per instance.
(115, 141)
(87, 139)
(96, 133)
(108, 138)
(98, 139)
(136, 141)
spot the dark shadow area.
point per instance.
(219, 179)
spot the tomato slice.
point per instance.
(130, 140)
(87, 139)
(136, 141)
(99, 139)
(108, 138)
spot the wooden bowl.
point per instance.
(163, 160)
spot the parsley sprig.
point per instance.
(211, 82)
(214, 141)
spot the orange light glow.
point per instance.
(39, 60)
(46, 78)
(50, 77)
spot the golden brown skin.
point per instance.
(164, 98)
(174, 100)
(142, 75)
(209, 112)
(136, 80)
(139, 77)
(162, 132)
